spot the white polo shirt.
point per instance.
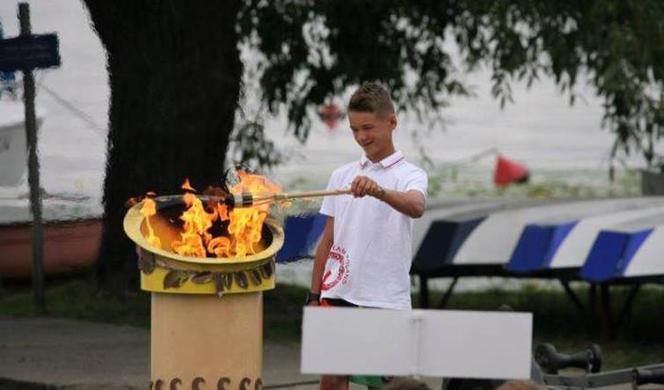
(371, 254)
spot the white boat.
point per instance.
(574, 250)
(439, 233)
(629, 250)
(13, 145)
(495, 239)
(444, 210)
(649, 257)
(72, 226)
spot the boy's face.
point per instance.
(373, 133)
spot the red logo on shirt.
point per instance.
(336, 268)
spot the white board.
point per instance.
(469, 344)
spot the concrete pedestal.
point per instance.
(207, 313)
(205, 342)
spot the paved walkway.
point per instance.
(84, 355)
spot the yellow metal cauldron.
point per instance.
(207, 313)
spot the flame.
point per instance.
(222, 212)
(187, 186)
(197, 222)
(256, 185)
(246, 224)
(245, 227)
(243, 224)
(220, 246)
(149, 209)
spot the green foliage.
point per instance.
(248, 147)
(618, 45)
(283, 313)
(658, 165)
(313, 50)
(80, 299)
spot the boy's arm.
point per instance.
(410, 202)
(322, 252)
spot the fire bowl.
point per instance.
(168, 272)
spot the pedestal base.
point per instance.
(206, 342)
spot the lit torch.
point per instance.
(239, 214)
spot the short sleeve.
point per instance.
(328, 206)
(417, 180)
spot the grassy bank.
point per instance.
(81, 299)
(641, 341)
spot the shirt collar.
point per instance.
(384, 163)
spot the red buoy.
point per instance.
(508, 171)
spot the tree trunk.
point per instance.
(174, 72)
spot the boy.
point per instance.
(364, 255)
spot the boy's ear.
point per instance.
(393, 121)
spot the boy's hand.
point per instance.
(363, 185)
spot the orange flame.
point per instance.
(149, 209)
(244, 224)
(197, 222)
(256, 185)
(220, 246)
(187, 186)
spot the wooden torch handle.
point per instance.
(310, 194)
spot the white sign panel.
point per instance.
(467, 344)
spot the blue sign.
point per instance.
(29, 52)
